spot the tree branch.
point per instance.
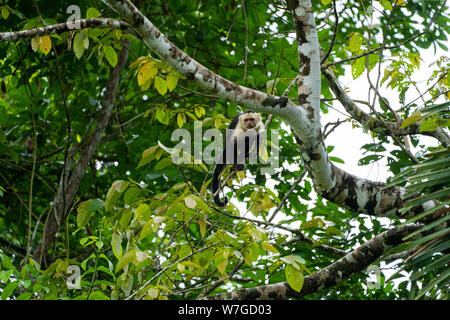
(355, 261)
(103, 23)
(334, 184)
(374, 124)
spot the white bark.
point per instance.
(336, 185)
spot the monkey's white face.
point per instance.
(250, 120)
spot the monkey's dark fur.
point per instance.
(231, 142)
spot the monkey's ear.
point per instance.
(259, 116)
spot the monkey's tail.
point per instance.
(215, 186)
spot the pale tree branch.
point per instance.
(336, 185)
(103, 23)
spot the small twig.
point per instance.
(170, 266)
(389, 47)
(286, 196)
(334, 34)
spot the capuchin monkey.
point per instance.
(243, 139)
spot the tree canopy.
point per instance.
(94, 204)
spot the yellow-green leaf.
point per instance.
(86, 209)
(162, 116)
(181, 119)
(199, 111)
(153, 293)
(45, 44)
(202, 225)
(5, 12)
(428, 125)
(92, 13)
(160, 85)
(146, 72)
(316, 222)
(294, 278)
(411, 119)
(137, 62)
(326, 2)
(172, 81)
(267, 246)
(355, 43)
(222, 266)
(386, 4)
(78, 44)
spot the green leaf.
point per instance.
(78, 44)
(146, 230)
(355, 42)
(110, 55)
(386, 4)
(98, 295)
(428, 125)
(125, 219)
(25, 296)
(336, 159)
(86, 209)
(147, 156)
(142, 213)
(358, 67)
(5, 275)
(92, 13)
(8, 290)
(5, 12)
(294, 278)
(164, 163)
(126, 259)
(117, 188)
(160, 85)
(116, 244)
(132, 195)
(201, 204)
(162, 116)
(267, 246)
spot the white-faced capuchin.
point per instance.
(243, 139)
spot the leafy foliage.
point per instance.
(143, 226)
(425, 181)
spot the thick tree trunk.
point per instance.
(66, 195)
